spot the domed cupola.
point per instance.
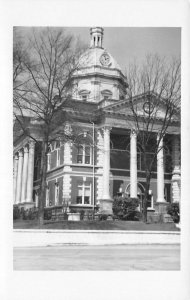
(99, 76)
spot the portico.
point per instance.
(133, 176)
(23, 175)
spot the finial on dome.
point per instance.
(96, 37)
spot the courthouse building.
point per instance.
(104, 159)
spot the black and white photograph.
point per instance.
(97, 148)
(97, 175)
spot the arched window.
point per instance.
(84, 154)
(106, 94)
(57, 193)
(53, 147)
(47, 196)
(84, 94)
(84, 150)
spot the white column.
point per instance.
(15, 176)
(24, 175)
(19, 177)
(176, 174)
(160, 172)
(30, 171)
(106, 166)
(133, 164)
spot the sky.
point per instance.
(127, 44)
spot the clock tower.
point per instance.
(99, 78)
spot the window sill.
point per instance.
(82, 165)
(81, 205)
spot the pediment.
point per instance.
(142, 105)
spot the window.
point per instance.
(84, 193)
(167, 160)
(48, 161)
(56, 193)
(149, 160)
(57, 149)
(84, 154)
(106, 94)
(54, 147)
(57, 144)
(167, 192)
(37, 163)
(150, 202)
(36, 198)
(58, 158)
(84, 97)
(47, 197)
(84, 94)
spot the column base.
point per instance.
(161, 209)
(106, 206)
(26, 205)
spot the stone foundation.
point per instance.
(160, 215)
(106, 206)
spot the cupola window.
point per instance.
(106, 94)
(84, 95)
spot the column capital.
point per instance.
(31, 144)
(134, 132)
(25, 149)
(20, 152)
(107, 128)
(16, 155)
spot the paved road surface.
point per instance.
(98, 258)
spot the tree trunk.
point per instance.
(147, 187)
(42, 194)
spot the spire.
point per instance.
(96, 37)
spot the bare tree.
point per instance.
(42, 80)
(157, 106)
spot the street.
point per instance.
(98, 258)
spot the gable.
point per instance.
(142, 105)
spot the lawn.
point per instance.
(95, 225)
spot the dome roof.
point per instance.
(98, 57)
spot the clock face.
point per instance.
(148, 107)
(105, 59)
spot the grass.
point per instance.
(95, 225)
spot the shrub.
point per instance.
(16, 213)
(82, 212)
(103, 217)
(25, 214)
(173, 210)
(125, 208)
(47, 214)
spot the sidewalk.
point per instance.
(47, 237)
